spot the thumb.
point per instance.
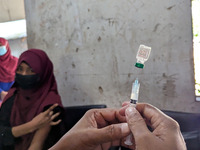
(111, 133)
(136, 123)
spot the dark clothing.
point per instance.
(6, 137)
(7, 140)
(57, 131)
(28, 103)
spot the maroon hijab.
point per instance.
(8, 64)
(29, 103)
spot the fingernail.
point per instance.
(130, 110)
(125, 128)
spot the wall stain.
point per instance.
(69, 5)
(156, 27)
(75, 89)
(129, 75)
(100, 90)
(115, 71)
(77, 49)
(66, 76)
(111, 21)
(169, 87)
(169, 8)
(73, 65)
(99, 39)
(42, 5)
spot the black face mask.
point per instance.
(27, 81)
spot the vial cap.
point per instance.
(139, 65)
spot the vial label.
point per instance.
(144, 52)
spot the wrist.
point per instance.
(31, 126)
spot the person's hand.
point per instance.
(43, 119)
(46, 118)
(3, 94)
(98, 129)
(166, 134)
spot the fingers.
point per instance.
(125, 103)
(52, 116)
(148, 110)
(112, 133)
(50, 113)
(104, 117)
(55, 115)
(153, 115)
(53, 123)
(50, 109)
(136, 123)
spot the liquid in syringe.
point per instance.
(135, 91)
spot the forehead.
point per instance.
(24, 65)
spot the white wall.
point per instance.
(93, 44)
(11, 10)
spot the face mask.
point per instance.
(27, 81)
(3, 50)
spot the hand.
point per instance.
(3, 94)
(41, 120)
(166, 134)
(46, 118)
(98, 129)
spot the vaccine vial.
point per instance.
(142, 56)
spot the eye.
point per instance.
(20, 69)
(30, 70)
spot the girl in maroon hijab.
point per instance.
(33, 92)
(8, 64)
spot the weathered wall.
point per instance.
(11, 10)
(93, 45)
(18, 46)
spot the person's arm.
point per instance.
(37, 122)
(39, 138)
(8, 134)
(23, 129)
(3, 94)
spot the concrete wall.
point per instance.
(18, 46)
(11, 10)
(93, 45)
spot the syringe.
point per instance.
(135, 91)
(133, 100)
